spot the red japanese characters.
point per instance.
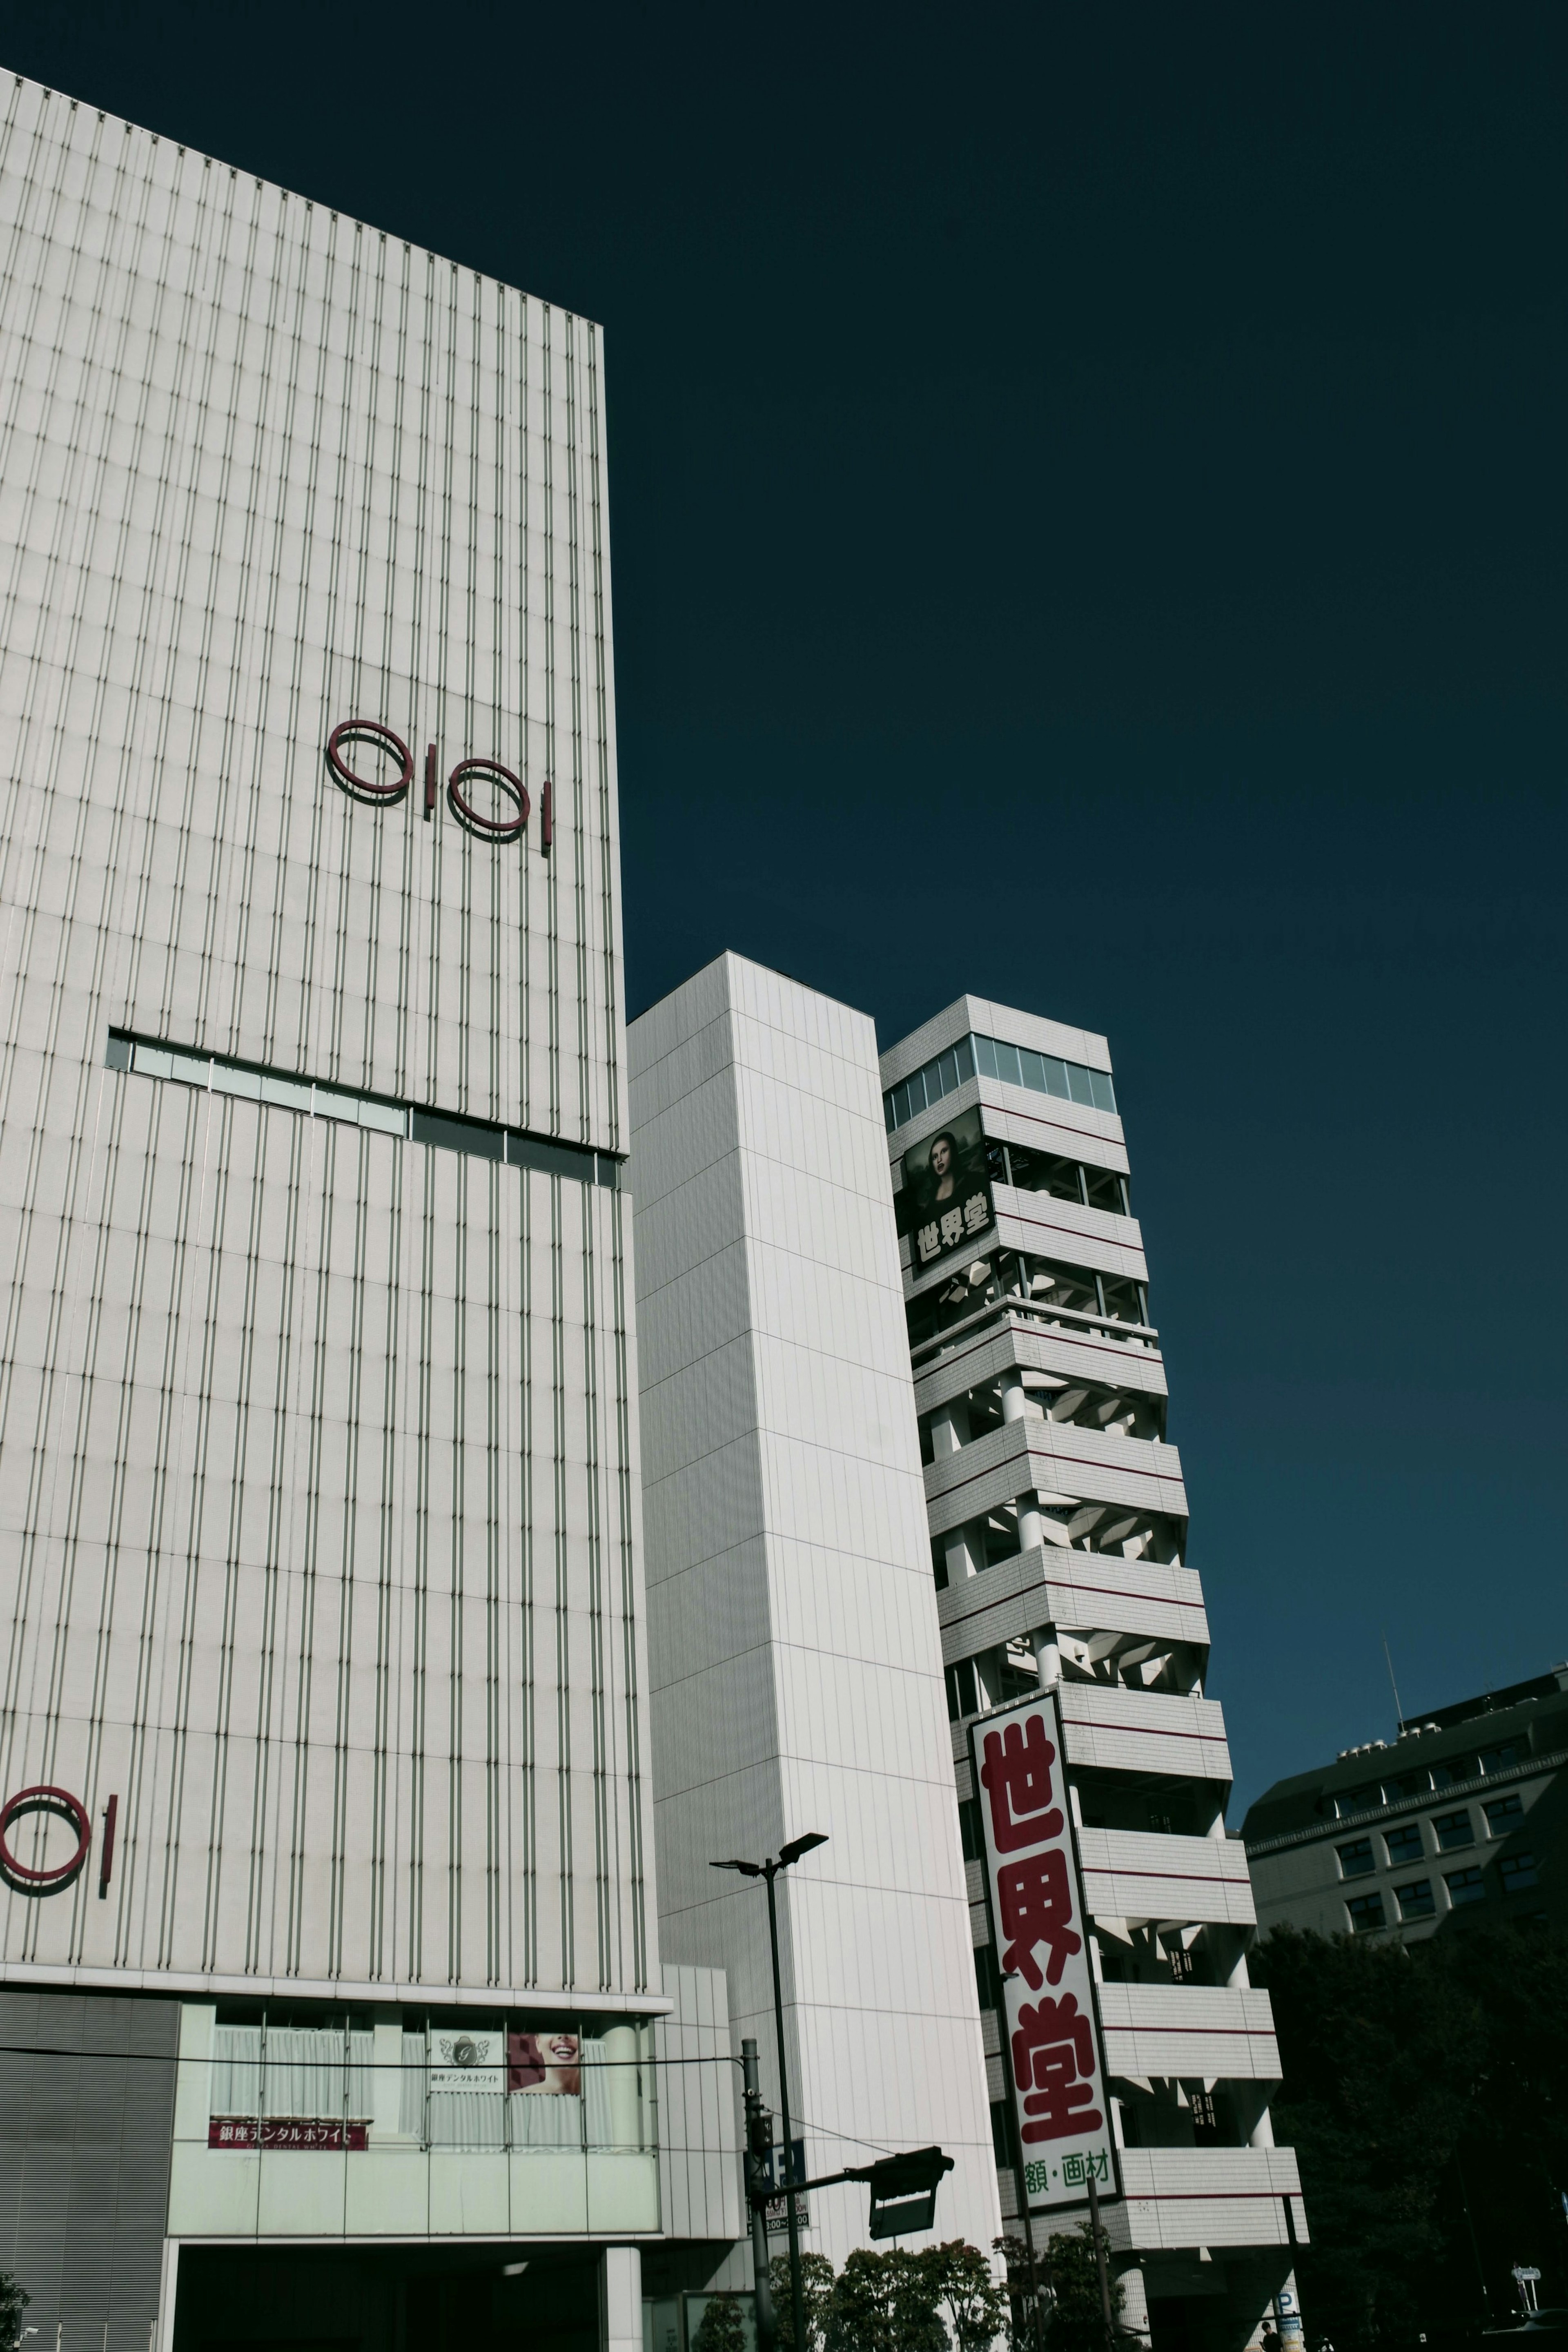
(1042, 1943)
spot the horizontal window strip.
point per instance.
(1015, 1065)
(219, 1073)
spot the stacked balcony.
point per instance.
(1057, 1517)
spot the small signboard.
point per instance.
(1054, 2053)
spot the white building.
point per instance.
(319, 1540)
(795, 1655)
(1057, 1523)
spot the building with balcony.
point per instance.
(332, 2004)
(1057, 1514)
(1462, 1818)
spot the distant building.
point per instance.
(1464, 1813)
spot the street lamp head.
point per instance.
(747, 1869)
(798, 1846)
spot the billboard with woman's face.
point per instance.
(946, 1202)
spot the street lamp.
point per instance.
(788, 1854)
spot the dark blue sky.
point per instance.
(1089, 520)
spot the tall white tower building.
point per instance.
(795, 1656)
(1057, 1523)
(325, 1813)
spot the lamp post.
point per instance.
(788, 1854)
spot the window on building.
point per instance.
(1502, 1758)
(1360, 1800)
(1365, 1913)
(1206, 2121)
(1406, 1784)
(1464, 1885)
(1016, 1066)
(1454, 1828)
(963, 1693)
(1502, 1813)
(1457, 1769)
(969, 1830)
(1417, 1901)
(217, 1074)
(1403, 1843)
(987, 1977)
(1356, 1860)
(1001, 2139)
(1516, 1871)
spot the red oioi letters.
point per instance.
(473, 778)
(1041, 1938)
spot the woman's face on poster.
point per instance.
(942, 1157)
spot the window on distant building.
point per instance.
(1365, 1913)
(1417, 1901)
(1464, 1885)
(1454, 1828)
(1357, 1859)
(1516, 1871)
(1403, 1843)
(1502, 1813)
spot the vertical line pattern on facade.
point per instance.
(562, 1583)
(227, 380)
(625, 1470)
(592, 1467)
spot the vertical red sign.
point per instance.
(1054, 2055)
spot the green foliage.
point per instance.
(722, 2328)
(961, 2280)
(13, 2302)
(1414, 2078)
(885, 2303)
(1075, 2318)
(816, 2293)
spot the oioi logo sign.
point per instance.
(470, 776)
(31, 1878)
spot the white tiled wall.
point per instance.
(796, 1661)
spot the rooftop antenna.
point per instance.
(1398, 1710)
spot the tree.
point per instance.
(1075, 2318)
(962, 2286)
(13, 2302)
(816, 2293)
(884, 2303)
(1425, 2092)
(722, 2328)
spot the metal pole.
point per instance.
(767, 2328)
(796, 2297)
(1099, 2263)
(1037, 2326)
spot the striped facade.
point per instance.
(319, 1533)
